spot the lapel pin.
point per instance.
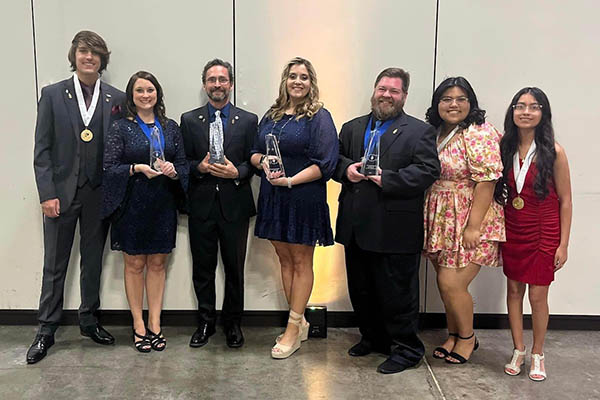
(237, 117)
(107, 99)
(68, 93)
(232, 121)
(395, 131)
(108, 95)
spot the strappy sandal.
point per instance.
(304, 328)
(157, 340)
(514, 367)
(456, 356)
(144, 345)
(281, 351)
(442, 350)
(536, 373)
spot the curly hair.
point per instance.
(159, 107)
(545, 152)
(476, 115)
(308, 106)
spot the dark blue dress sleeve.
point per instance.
(116, 173)
(259, 141)
(323, 149)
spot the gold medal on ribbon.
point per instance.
(518, 203)
(86, 135)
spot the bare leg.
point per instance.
(450, 320)
(302, 258)
(454, 283)
(538, 298)
(514, 300)
(155, 288)
(134, 289)
(287, 267)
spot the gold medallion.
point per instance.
(518, 203)
(86, 135)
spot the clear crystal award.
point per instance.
(370, 162)
(274, 156)
(215, 148)
(157, 154)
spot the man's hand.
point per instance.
(204, 165)
(352, 173)
(376, 179)
(227, 170)
(51, 208)
(167, 168)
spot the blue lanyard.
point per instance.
(148, 132)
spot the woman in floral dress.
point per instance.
(462, 224)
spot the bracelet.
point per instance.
(132, 168)
(262, 158)
(289, 181)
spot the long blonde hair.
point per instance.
(309, 106)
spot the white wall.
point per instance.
(499, 46)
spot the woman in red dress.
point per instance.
(536, 188)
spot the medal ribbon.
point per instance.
(148, 132)
(447, 139)
(521, 172)
(86, 113)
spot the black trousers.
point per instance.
(205, 238)
(384, 291)
(58, 240)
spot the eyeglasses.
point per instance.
(213, 79)
(521, 107)
(461, 100)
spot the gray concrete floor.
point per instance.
(77, 368)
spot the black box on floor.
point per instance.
(317, 317)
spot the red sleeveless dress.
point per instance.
(532, 233)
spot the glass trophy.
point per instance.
(370, 162)
(216, 152)
(273, 158)
(157, 154)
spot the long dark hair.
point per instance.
(476, 115)
(545, 151)
(159, 107)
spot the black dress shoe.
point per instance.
(234, 336)
(97, 333)
(200, 337)
(390, 366)
(360, 349)
(39, 348)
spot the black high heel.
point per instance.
(442, 350)
(157, 340)
(144, 345)
(456, 356)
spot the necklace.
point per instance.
(281, 130)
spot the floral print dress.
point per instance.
(471, 156)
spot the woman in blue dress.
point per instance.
(292, 209)
(140, 200)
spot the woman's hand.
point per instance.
(560, 257)
(280, 181)
(167, 168)
(146, 170)
(271, 175)
(471, 237)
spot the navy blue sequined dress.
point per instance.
(300, 214)
(143, 211)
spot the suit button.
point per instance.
(356, 190)
(217, 187)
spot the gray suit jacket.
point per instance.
(56, 152)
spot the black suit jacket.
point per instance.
(387, 219)
(56, 152)
(235, 195)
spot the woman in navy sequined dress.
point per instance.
(292, 210)
(140, 201)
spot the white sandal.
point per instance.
(536, 373)
(304, 328)
(281, 351)
(514, 367)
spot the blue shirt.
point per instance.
(380, 130)
(224, 113)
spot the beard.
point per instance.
(383, 110)
(218, 95)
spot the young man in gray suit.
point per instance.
(73, 116)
